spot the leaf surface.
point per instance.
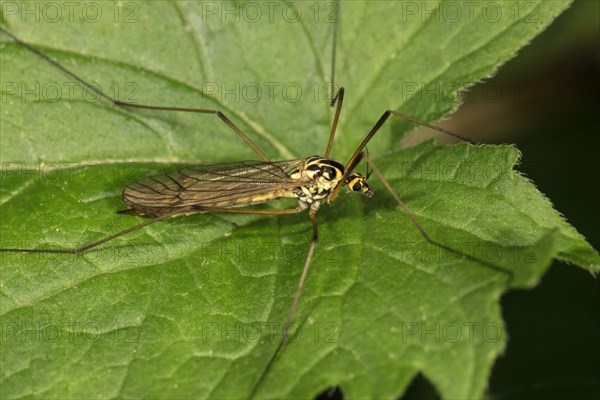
(193, 307)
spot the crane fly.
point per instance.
(229, 187)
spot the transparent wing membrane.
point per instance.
(214, 185)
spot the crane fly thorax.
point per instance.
(321, 176)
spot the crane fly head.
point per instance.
(358, 183)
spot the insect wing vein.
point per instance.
(216, 185)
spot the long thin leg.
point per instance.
(334, 51)
(248, 211)
(339, 97)
(93, 244)
(118, 103)
(422, 231)
(146, 223)
(309, 256)
(374, 130)
(293, 307)
(340, 100)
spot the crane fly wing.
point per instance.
(214, 185)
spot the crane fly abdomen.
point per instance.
(223, 185)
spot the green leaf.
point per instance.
(193, 307)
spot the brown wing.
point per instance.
(213, 185)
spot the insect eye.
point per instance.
(356, 187)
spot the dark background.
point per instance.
(554, 345)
